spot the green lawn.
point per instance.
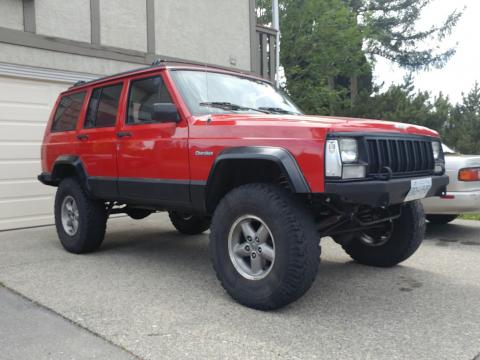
(470, 217)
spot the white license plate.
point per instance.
(418, 189)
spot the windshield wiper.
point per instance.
(276, 110)
(230, 106)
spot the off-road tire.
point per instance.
(441, 219)
(92, 218)
(407, 235)
(297, 249)
(190, 225)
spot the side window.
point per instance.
(143, 94)
(67, 113)
(103, 107)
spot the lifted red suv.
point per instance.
(227, 151)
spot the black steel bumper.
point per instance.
(46, 179)
(378, 193)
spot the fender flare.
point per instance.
(282, 157)
(73, 161)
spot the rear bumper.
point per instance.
(454, 203)
(380, 193)
(46, 179)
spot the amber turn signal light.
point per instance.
(469, 174)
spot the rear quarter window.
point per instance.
(68, 112)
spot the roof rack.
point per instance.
(79, 82)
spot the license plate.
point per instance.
(418, 189)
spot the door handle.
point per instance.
(82, 136)
(122, 134)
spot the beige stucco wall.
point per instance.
(124, 26)
(209, 30)
(11, 14)
(66, 19)
(21, 55)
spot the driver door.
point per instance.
(153, 163)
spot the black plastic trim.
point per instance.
(280, 156)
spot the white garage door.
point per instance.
(25, 106)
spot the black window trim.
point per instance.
(127, 107)
(52, 130)
(84, 127)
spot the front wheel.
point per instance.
(264, 246)
(392, 244)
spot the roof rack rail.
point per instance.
(79, 82)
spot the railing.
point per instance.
(264, 52)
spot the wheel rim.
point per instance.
(377, 237)
(251, 247)
(70, 215)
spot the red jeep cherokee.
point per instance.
(227, 151)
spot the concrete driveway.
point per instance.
(153, 292)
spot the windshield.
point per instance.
(215, 93)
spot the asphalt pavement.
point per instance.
(151, 292)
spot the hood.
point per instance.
(330, 123)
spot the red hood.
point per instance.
(330, 123)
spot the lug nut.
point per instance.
(247, 248)
(249, 238)
(254, 255)
(256, 239)
(259, 249)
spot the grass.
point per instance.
(470, 217)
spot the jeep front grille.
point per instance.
(402, 156)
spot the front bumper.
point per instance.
(454, 203)
(379, 193)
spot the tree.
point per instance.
(320, 49)
(390, 30)
(385, 28)
(463, 126)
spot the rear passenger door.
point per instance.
(97, 139)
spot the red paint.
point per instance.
(166, 151)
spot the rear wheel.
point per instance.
(391, 244)
(264, 246)
(80, 221)
(189, 224)
(441, 219)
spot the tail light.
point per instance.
(469, 174)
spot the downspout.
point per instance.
(276, 26)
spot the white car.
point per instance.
(463, 192)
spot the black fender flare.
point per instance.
(72, 161)
(282, 157)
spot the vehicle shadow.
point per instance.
(467, 233)
(339, 279)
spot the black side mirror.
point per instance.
(165, 112)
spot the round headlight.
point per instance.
(436, 146)
(349, 150)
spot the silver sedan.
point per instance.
(463, 192)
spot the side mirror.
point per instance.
(165, 112)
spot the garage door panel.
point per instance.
(21, 132)
(24, 189)
(12, 150)
(26, 208)
(24, 112)
(25, 107)
(19, 169)
(25, 91)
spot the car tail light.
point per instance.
(469, 174)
